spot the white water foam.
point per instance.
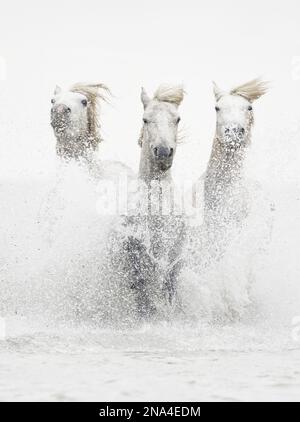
(51, 298)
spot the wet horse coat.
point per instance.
(151, 243)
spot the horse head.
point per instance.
(74, 116)
(235, 113)
(160, 125)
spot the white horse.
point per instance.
(225, 198)
(147, 253)
(228, 236)
(159, 133)
(76, 125)
(75, 121)
(74, 118)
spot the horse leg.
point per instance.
(141, 270)
(177, 263)
(170, 287)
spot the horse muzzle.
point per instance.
(163, 157)
(60, 118)
(233, 137)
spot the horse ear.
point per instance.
(57, 90)
(217, 91)
(144, 97)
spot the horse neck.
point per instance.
(148, 171)
(225, 202)
(76, 146)
(157, 223)
(225, 166)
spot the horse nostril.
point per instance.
(171, 152)
(242, 130)
(226, 131)
(61, 109)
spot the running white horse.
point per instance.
(225, 198)
(74, 118)
(159, 133)
(223, 252)
(76, 125)
(75, 121)
(147, 253)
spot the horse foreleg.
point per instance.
(172, 281)
(141, 270)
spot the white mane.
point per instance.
(170, 93)
(94, 93)
(251, 90)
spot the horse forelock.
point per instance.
(251, 90)
(170, 93)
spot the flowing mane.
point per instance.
(251, 90)
(94, 93)
(170, 93)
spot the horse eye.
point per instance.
(145, 121)
(217, 108)
(84, 103)
(178, 120)
(250, 108)
(52, 100)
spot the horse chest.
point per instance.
(165, 235)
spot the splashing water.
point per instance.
(53, 298)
